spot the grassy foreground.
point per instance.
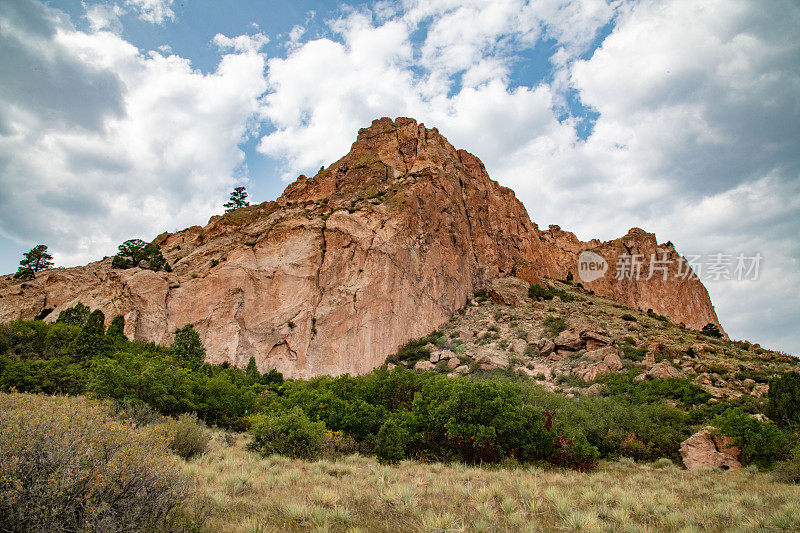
(236, 490)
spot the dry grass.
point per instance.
(242, 492)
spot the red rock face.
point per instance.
(381, 247)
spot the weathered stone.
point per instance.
(453, 363)
(595, 340)
(489, 358)
(600, 353)
(759, 391)
(569, 339)
(509, 291)
(518, 346)
(424, 365)
(546, 347)
(463, 369)
(446, 354)
(664, 370)
(435, 357)
(706, 448)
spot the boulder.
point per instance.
(463, 369)
(424, 365)
(569, 339)
(707, 448)
(518, 346)
(509, 291)
(759, 391)
(546, 347)
(446, 354)
(435, 357)
(489, 358)
(595, 340)
(600, 353)
(453, 363)
(664, 370)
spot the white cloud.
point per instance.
(104, 17)
(153, 11)
(149, 144)
(241, 43)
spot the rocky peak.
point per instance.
(381, 246)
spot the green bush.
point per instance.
(290, 433)
(761, 443)
(537, 292)
(711, 330)
(414, 350)
(789, 471)
(783, 400)
(628, 317)
(68, 465)
(188, 436)
(576, 453)
(74, 316)
(390, 444)
(554, 325)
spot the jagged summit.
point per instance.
(381, 246)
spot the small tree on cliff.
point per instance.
(188, 346)
(33, 261)
(135, 252)
(237, 200)
(711, 330)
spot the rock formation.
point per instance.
(382, 246)
(707, 448)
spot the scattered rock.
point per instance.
(759, 391)
(463, 369)
(706, 448)
(453, 363)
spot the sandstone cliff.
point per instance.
(380, 247)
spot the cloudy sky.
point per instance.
(126, 118)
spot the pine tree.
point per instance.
(188, 346)
(74, 316)
(237, 199)
(33, 261)
(252, 369)
(116, 330)
(91, 341)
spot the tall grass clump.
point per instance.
(66, 464)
